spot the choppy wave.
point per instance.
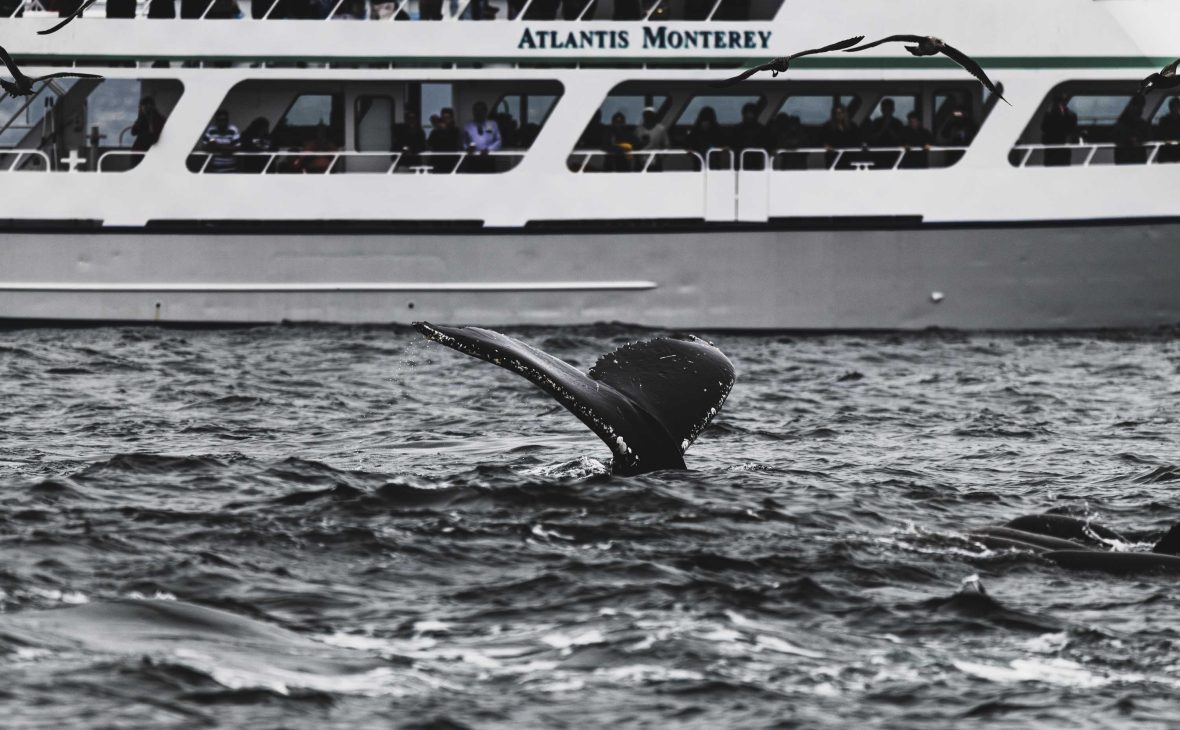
(310, 527)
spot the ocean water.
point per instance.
(311, 527)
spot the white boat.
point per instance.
(557, 227)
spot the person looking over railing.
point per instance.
(839, 132)
(1059, 127)
(317, 164)
(620, 143)
(1131, 131)
(960, 128)
(481, 136)
(917, 140)
(410, 140)
(444, 136)
(749, 134)
(149, 122)
(1168, 132)
(651, 135)
(885, 130)
(221, 140)
(706, 134)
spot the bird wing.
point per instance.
(972, 68)
(846, 43)
(890, 39)
(1170, 69)
(76, 14)
(743, 75)
(66, 75)
(13, 69)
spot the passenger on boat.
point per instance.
(148, 125)
(481, 136)
(917, 140)
(257, 141)
(886, 130)
(146, 129)
(706, 135)
(1131, 131)
(1169, 133)
(960, 127)
(839, 132)
(410, 139)
(620, 142)
(221, 140)
(749, 134)
(1059, 127)
(651, 134)
(312, 163)
(430, 9)
(444, 137)
(786, 135)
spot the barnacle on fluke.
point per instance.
(648, 401)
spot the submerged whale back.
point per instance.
(647, 401)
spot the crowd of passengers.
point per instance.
(1130, 134)
(447, 144)
(395, 9)
(785, 133)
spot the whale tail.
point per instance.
(648, 401)
(1169, 544)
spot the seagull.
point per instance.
(928, 45)
(1166, 78)
(22, 85)
(66, 21)
(780, 65)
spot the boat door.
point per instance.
(753, 186)
(720, 185)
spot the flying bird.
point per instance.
(1165, 78)
(22, 85)
(66, 21)
(928, 45)
(780, 65)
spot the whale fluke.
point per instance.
(648, 401)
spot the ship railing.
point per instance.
(1086, 154)
(345, 162)
(583, 161)
(17, 160)
(388, 10)
(754, 159)
(865, 158)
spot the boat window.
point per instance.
(375, 126)
(787, 125)
(1099, 123)
(85, 125)
(728, 108)
(521, 116)
(311, 116)
(815, 111)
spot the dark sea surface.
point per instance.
(311, 527)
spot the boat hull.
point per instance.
(783, 276)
